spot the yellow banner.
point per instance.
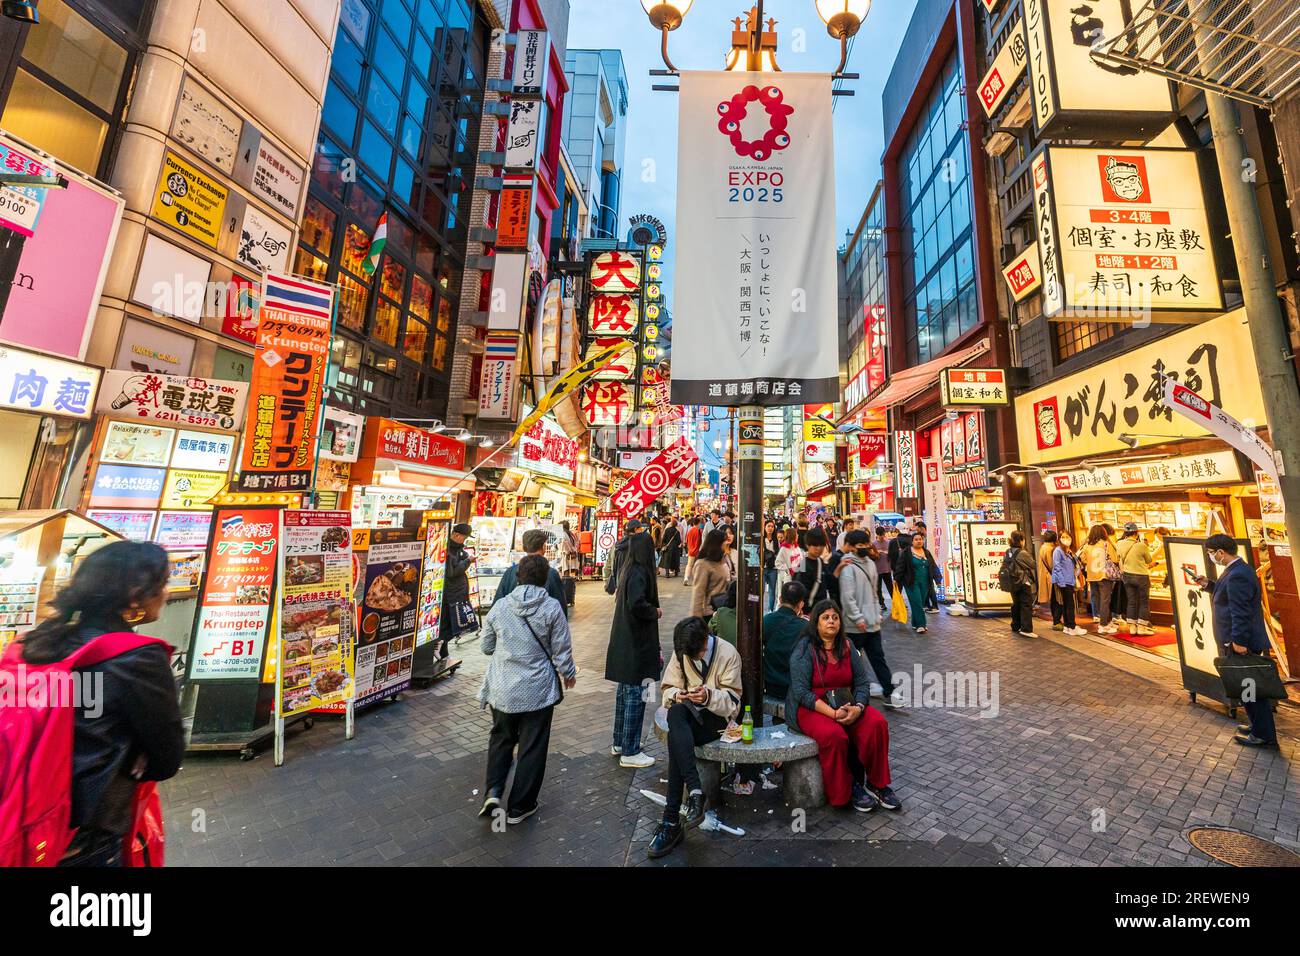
(570, 382)
(1085, 414)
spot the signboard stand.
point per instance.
(1194, 617)
(983, 543)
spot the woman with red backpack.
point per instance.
(133, 732)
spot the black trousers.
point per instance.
(531, 733)
(885, 587)
(932, 595)
(1022, 610)
(685, 733)
(868, 643)
(1260, 713)
(1063, 605)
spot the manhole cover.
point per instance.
(1241, 849)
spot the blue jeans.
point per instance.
(769, 582)
(629, 715)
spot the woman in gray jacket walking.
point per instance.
(526, 637)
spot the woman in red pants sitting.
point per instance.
(829, 702)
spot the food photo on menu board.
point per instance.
(316, 657)
(386, 643)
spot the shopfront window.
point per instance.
(1075, 337)
(69, 88)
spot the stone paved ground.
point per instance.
(1084, 764)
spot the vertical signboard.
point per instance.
(606, 535)
(386, 642)
(984, 544)
(288, 384)
(315, 655)
(437, 533)
(1193, 613)
(497, 386)
(905, 463)
(235, 600)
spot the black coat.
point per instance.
(905, 572)
(634, 637)
(456, 584)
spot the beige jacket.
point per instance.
(722, 680)
(711, 577)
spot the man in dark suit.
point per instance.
(1239, 626)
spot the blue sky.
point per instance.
(702, 41)
(650, 172)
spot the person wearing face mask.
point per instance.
(858, 579)
(1065, 576)
(1239, 628)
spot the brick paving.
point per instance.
(1084, 764)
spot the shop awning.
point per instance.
(910, 381)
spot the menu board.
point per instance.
(131, 525)
(315, 653)
(984, 543)
(235, 603)
(386, 643)
(437, 534)
(137, 443)
(20, 590)
(493, 539)
(184, 571)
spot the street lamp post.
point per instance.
(843, 19)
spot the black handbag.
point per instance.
(1250, 677)
(465, 617)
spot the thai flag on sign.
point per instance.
(295, 294)
(500, 348)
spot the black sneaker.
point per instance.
(492, 801)
(667, 836)
(693, 812)
(887, 798)
(863, 800)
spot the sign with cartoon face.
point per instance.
(1124, 235)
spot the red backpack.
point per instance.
(36, 750)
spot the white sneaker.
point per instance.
(637, 761)
(896, 700)
(1077, 631)
(1026, 633)
(615, 751)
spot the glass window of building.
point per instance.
(405, 104)
(68, 93)
(938, 265)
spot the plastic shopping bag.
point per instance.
(146, 841)
(899, 609)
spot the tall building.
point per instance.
(941, 275)
(595, 132)
(399, 137)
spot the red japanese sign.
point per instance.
(240, 320)
(393, 440)
(871, 448)
(656, 478)
(606, 403)
(614, 314)
(615, 272)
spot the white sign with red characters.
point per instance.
(1124, 234)
(1211, 417)
(655, 479)
(1208, 468)
(1007, 68)
(545, 449)
(973, 386)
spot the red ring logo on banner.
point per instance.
(734, 111)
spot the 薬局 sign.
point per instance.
(1084, 414)
(399, 442)
(235, 603)
(1124, 234)
(1024, 273)
(973, 386)
(818, 437)
(756, 265)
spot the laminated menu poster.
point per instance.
(314, 656)
(432, 580)
(235, 606)
(20, 590)
(386, 643)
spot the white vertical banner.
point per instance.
(936, 509)
(756, 289)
